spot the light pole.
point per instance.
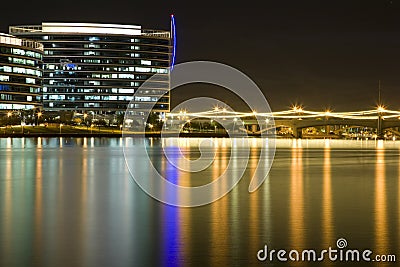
(9, 114)
(39, 114)
(61, 125)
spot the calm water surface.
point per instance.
(72, 202)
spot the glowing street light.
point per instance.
(9, 114)
(39, 114)
(328, 113)
(61, 125)
(380, 108)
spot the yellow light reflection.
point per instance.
(219, 214)
(38, 211)
(39, 142)
(297, 199)
(9, 142)
(254, 202)
(327, 212)
(381, 224)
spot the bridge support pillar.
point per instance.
(327, 129)
(297, 132)
(379, 131)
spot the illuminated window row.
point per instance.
(20, 70)
(15, 106)
(22, 52)
(100, 98)
(22, 98)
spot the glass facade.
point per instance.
(20, 73)
(99, 67)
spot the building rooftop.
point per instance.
(87, 28)
(12, 40)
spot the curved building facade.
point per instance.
(99, 67)
(20, 73)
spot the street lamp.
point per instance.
(9, 114)
(39, 114)
(61, 125)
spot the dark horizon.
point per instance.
(328, 55)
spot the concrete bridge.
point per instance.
(297, 125)
(296, 119)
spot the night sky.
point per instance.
(316, 53)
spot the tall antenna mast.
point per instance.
(173, 37)
(379, 93)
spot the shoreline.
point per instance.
(68, 131)
(155, 135)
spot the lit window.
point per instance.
(5, 69)
(126, 91)
(145, 62)
(30, 80)
(17, 51)
(30, 62)
(19, 70)
(19, 61)
(141, 69)
(126, 76)
(159, 70)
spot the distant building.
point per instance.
(97, 68)
(20, 73)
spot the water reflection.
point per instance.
(78, 206)
(327, 210)
(381, 225)
(219, 210)
(296, 196)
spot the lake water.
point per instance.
(73, 202)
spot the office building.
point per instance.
(91, 67)
(20, 73)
